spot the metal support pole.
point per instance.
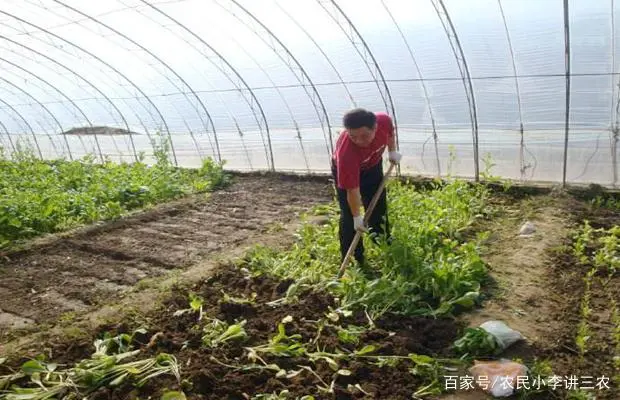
(567, 63)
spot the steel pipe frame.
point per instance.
(249, 101)
(34, 136)
(37, 3)
(451, 33)
(78, 76)
(215, 154)
(71, 71)
(200, 102)
(613, 127)
(567, 61)
(296, 125)
(42, 127)
(354, 32)
(8, 135)
(567, 77)
(324, 119)
(189, 129)
(136, 114)
(568, 80)
(94, 87)
(144, 94)
(281, 95)
(514, 69)
(62, 65)
(44, 107)
(424, 88)
(327, 58)
(62, 94)
(278, 91)
(52, 44)
(523, 147)
(615, 116)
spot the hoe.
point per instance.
(367, 215)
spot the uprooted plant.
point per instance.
(308, 355)
(476, 342)
(38, 379)
(218, 332)
(195, 306)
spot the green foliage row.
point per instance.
(599, 251)
(427, 269)
(42, 196)
(598, 248)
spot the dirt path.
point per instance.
(522, 294)
(75, 275)
(537, 289)
(518, 264)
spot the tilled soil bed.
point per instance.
(597, 361)
(79, 272)
(217, 373)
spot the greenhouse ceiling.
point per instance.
(526, 90)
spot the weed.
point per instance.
(597, 250)
(351, 334)
(603, 201)
(67, 317)
(74, 333)
(615, 319)
(536, 384)
(275, 227)
(580, 395)
(280, 345)
(583, 331)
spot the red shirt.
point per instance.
(351, 159)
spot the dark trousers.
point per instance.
(370, 180)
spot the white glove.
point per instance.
(394, 157)
(358, 223)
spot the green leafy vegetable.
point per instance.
(43, 196)
(476, 342)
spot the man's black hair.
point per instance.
(359, 117)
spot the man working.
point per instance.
(357, 169)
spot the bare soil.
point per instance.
(78, 272)
(211, 374)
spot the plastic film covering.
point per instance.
(527, 90)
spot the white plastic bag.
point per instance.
(504, 335)
(499, 378)
(527, 229)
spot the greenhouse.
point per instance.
(309, 199)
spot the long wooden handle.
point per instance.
(368, 213)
